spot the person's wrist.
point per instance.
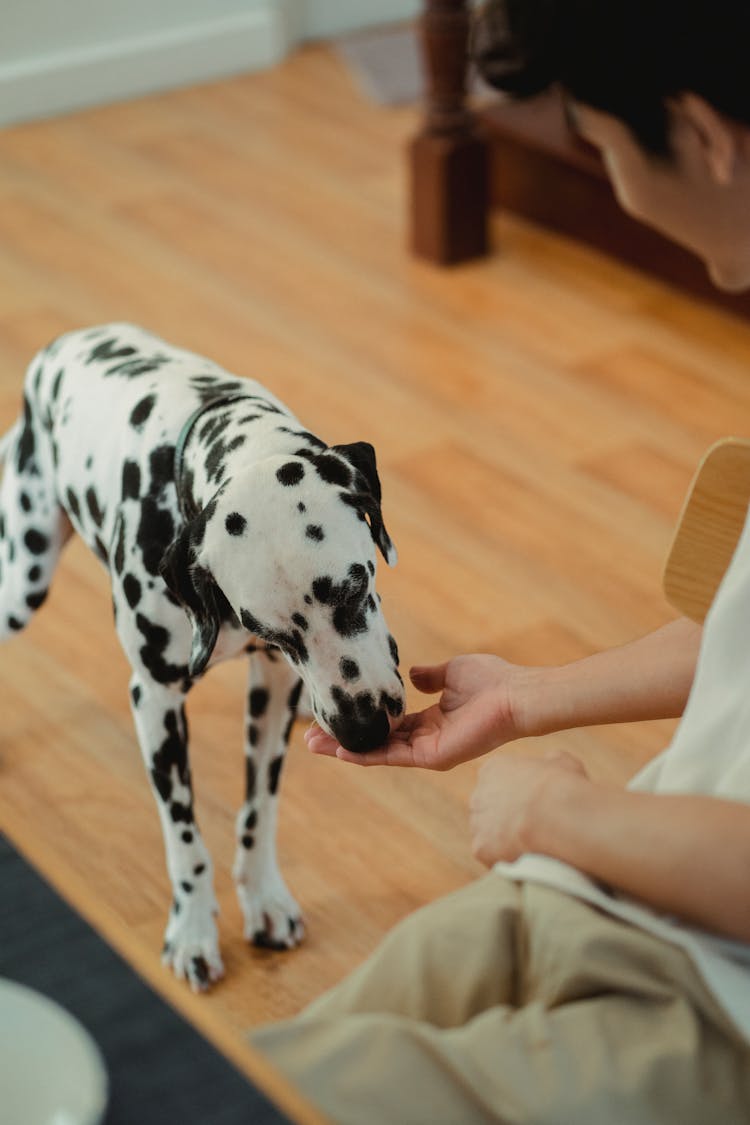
(558, 802)
(529, 699)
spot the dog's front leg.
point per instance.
(191, 941)
(272, 917)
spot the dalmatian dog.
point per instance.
(226, 528)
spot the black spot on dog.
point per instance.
(215, 461)
(172, 754)
(131, 480)
(301, 507)
(294, 695)
(258, 702)
(26, 442)
(371, 566)
(25, 502)
(187, 887)
(155, 533)
(119, 559)
(199, 869)
(214, 427)
(323, 589)
(15, 624)
(252, 624)
(200, 969)
(180, 813)
(142, 411)
(252, 734)
(349, 668)
(152, 653)
(304, 434)
(92, 503)
(161, 467)
(56, 384)
(187, 837)
(308, 600)
(35, 541)
(235, 523)
(34, 574)
(33, 601)
(132, 588)
(274, 771)
(300, 622)
(333, 470)
(251, 778)
(291, 473)
(248, 841)
(251, 820)
(135, 695)
(347, 598)
(213, 386)
(291, 642)
(108, 350)
(315, 531)
(74, 508)
(394, 648)
(135, 367)
(392, 705)
(235, 443)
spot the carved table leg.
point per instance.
(448, 158)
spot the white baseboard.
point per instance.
(326, 18)
(55, 83)
(113, 69)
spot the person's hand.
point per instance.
(477, 711)
(507, 798)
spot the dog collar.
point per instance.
(188, 508)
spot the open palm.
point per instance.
(473, 715)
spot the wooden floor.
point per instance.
(537, 418)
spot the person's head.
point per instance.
(662, 88)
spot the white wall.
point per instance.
(58, 55)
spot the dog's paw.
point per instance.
(191, 949)
(273, 919)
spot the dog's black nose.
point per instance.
(361, 735)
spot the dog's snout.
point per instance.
(360, 735)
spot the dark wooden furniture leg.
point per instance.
(449, 192)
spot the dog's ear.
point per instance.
(195, 589)
(361, 455)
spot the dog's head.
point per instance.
(288, 547)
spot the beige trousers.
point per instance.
(517, 1003)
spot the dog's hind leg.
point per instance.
(33, 526)
(272, 917)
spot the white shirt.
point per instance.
(709, 755)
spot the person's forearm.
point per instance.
(649, 678)
(684, 855)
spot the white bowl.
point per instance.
(51, 1071)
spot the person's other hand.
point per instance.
(475, 713)
(506, 800)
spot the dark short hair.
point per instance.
(625, 57)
